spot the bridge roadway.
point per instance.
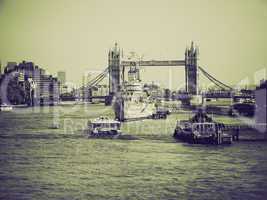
(155, 63)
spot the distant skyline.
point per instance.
(75, 36)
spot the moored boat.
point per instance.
(201, 129)
(132, 102)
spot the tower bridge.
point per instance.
(117, 65)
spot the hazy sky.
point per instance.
(75, 35)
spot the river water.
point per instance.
(38, 162)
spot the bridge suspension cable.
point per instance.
(214, 80)
(98, 78)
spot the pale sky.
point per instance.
(75, 35)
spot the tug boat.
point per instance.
(103, 127)
(201, 129)
(161, 113)
(5, 107)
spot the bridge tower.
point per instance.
(191, 69)
(114, 70)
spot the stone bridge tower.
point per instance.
(191, 69)
(114, 70)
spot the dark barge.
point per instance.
(201, 129)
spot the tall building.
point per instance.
(38, 88)
(61, 75)
(0, 68)
(261, 109)
(87, 77)
(10, 66)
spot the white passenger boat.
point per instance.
(103, 127)
(6, 107)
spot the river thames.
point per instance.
(39, 162)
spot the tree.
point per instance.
(15, 92)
